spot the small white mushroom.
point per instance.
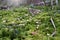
(12, 22)
(37, 22)
(27, 20)
(4, 21)
(26, 15)
(21, 24)
(48, 34)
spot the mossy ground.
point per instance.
(21, 25)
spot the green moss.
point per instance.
(25, 23)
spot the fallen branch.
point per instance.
(54, 27)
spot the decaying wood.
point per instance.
(33, 11)
(4, 7)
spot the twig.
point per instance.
(53, 26)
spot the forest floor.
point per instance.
(19, 24)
